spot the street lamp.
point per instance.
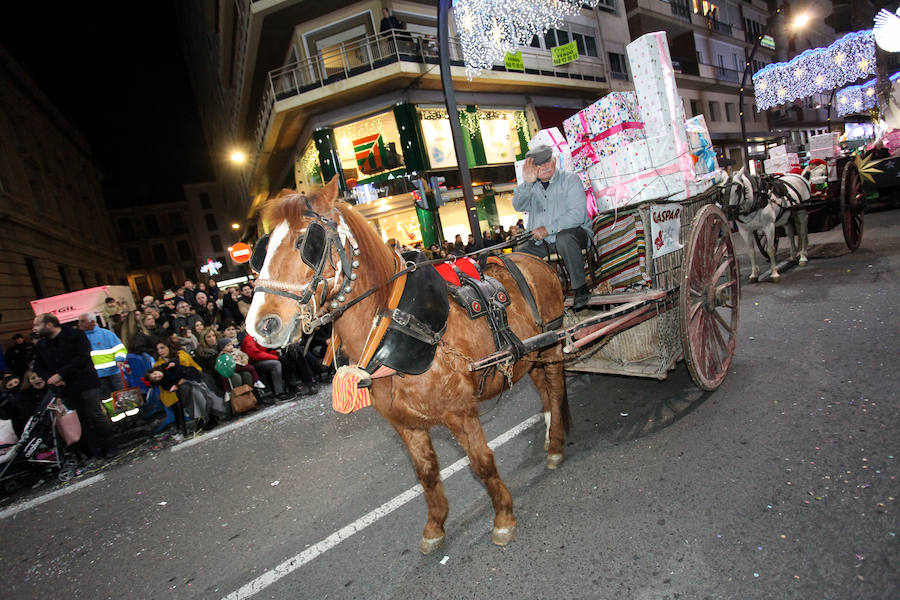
(799, 22)
(238, 157)
(235, 226)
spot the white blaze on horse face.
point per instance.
(275, 240)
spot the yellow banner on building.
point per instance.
(514, 62)
(564, 54)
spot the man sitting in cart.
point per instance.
(557, 214)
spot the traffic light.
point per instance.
(419, 194)
(438, 185)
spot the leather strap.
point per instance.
(524, 288)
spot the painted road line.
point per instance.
(295, 562)
(48, 497)
(218, 431)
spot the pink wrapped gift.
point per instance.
(604, 127)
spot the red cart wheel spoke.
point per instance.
(710, 288)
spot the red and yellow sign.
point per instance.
(240, 253)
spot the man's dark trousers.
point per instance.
(96, 428)
(569, 244)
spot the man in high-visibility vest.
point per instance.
(107, 352)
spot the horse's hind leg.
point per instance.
(468, 432)
(551, 384)
(747, 237)
(789, 229)
(418, 443)
(770, 250)
(803, 234)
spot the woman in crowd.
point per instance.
(27, 400)
(147, 335)
(212, 289)
(129, 328)
(206, 352)
(188, 385)
(230, 330)
(166, 354)
(187, 340)
(245, 299)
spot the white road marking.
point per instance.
(295, 562)
(218, 431)
(52, 495)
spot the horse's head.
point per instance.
(734, 193)
(306, 261)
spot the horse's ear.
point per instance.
(323, 201)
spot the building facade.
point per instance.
(57, 236)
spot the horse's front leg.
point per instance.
(747, 237)
(468, 432)
(418, 443)
(550, 383)
(803, 234)
(789, 230)
(769, 230)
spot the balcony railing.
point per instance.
(718, 26)
(681, 10)
(242, 31)
(373, 52)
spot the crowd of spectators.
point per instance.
(457, 247)
(182, 335)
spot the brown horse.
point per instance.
(447, 393)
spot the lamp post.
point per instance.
(800, 21)
(455, 128)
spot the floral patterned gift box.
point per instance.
(604, 127)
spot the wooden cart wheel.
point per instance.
(709, 298)
(760, 239)
(853, 202)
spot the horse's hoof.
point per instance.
(429, 545)
(554, 460)
(803, 260)
(503, 535)
(754, 278)
(775, 277)
(546, 445)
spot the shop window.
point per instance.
(369, 147)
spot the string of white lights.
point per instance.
(489, 29)
(859, 98)
(850, 58)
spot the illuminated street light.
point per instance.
(238, 157)
(235, 226)
(800, 21)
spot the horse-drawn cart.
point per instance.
(690, 309)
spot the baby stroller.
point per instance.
(39, 445)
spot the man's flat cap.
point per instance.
(540, 154)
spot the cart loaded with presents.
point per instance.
(664, 272)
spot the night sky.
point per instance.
(117, 72)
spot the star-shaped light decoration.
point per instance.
(867, 167)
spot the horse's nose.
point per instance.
(269, 325)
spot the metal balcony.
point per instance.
(681, 10)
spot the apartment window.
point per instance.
(204, 201)
(535, 42)
(216, 242)
(134, 258)
(587, 45)
(159, 254)
(184, 250)
(151, 225)
(607, 5)
(696, 108)
(617, 65)
(729, 111)
(64, 278)
(176, 222)
(714, 111)
(83, 278)
(211, 222)
(126, 229)
(35, 282)
(168, 280)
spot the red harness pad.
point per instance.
(464, 264)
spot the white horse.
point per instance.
(762, 204)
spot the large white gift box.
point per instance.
(654, 83)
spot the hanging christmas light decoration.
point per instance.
(816, 70)
(857, 98)
(489, 29)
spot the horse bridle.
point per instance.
(316, 246)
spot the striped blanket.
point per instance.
(620, 241)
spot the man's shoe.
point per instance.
(284, 396)
(582, 297)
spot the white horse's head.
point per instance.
(735, 190)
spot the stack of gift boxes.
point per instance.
(782, 160)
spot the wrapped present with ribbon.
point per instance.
(604, 127)
(653, 169)
(700, 143)
(654, 85)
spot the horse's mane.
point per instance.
(374, 255)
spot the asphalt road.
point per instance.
(781, 484)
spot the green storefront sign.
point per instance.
(514, 62)
(564, 54)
